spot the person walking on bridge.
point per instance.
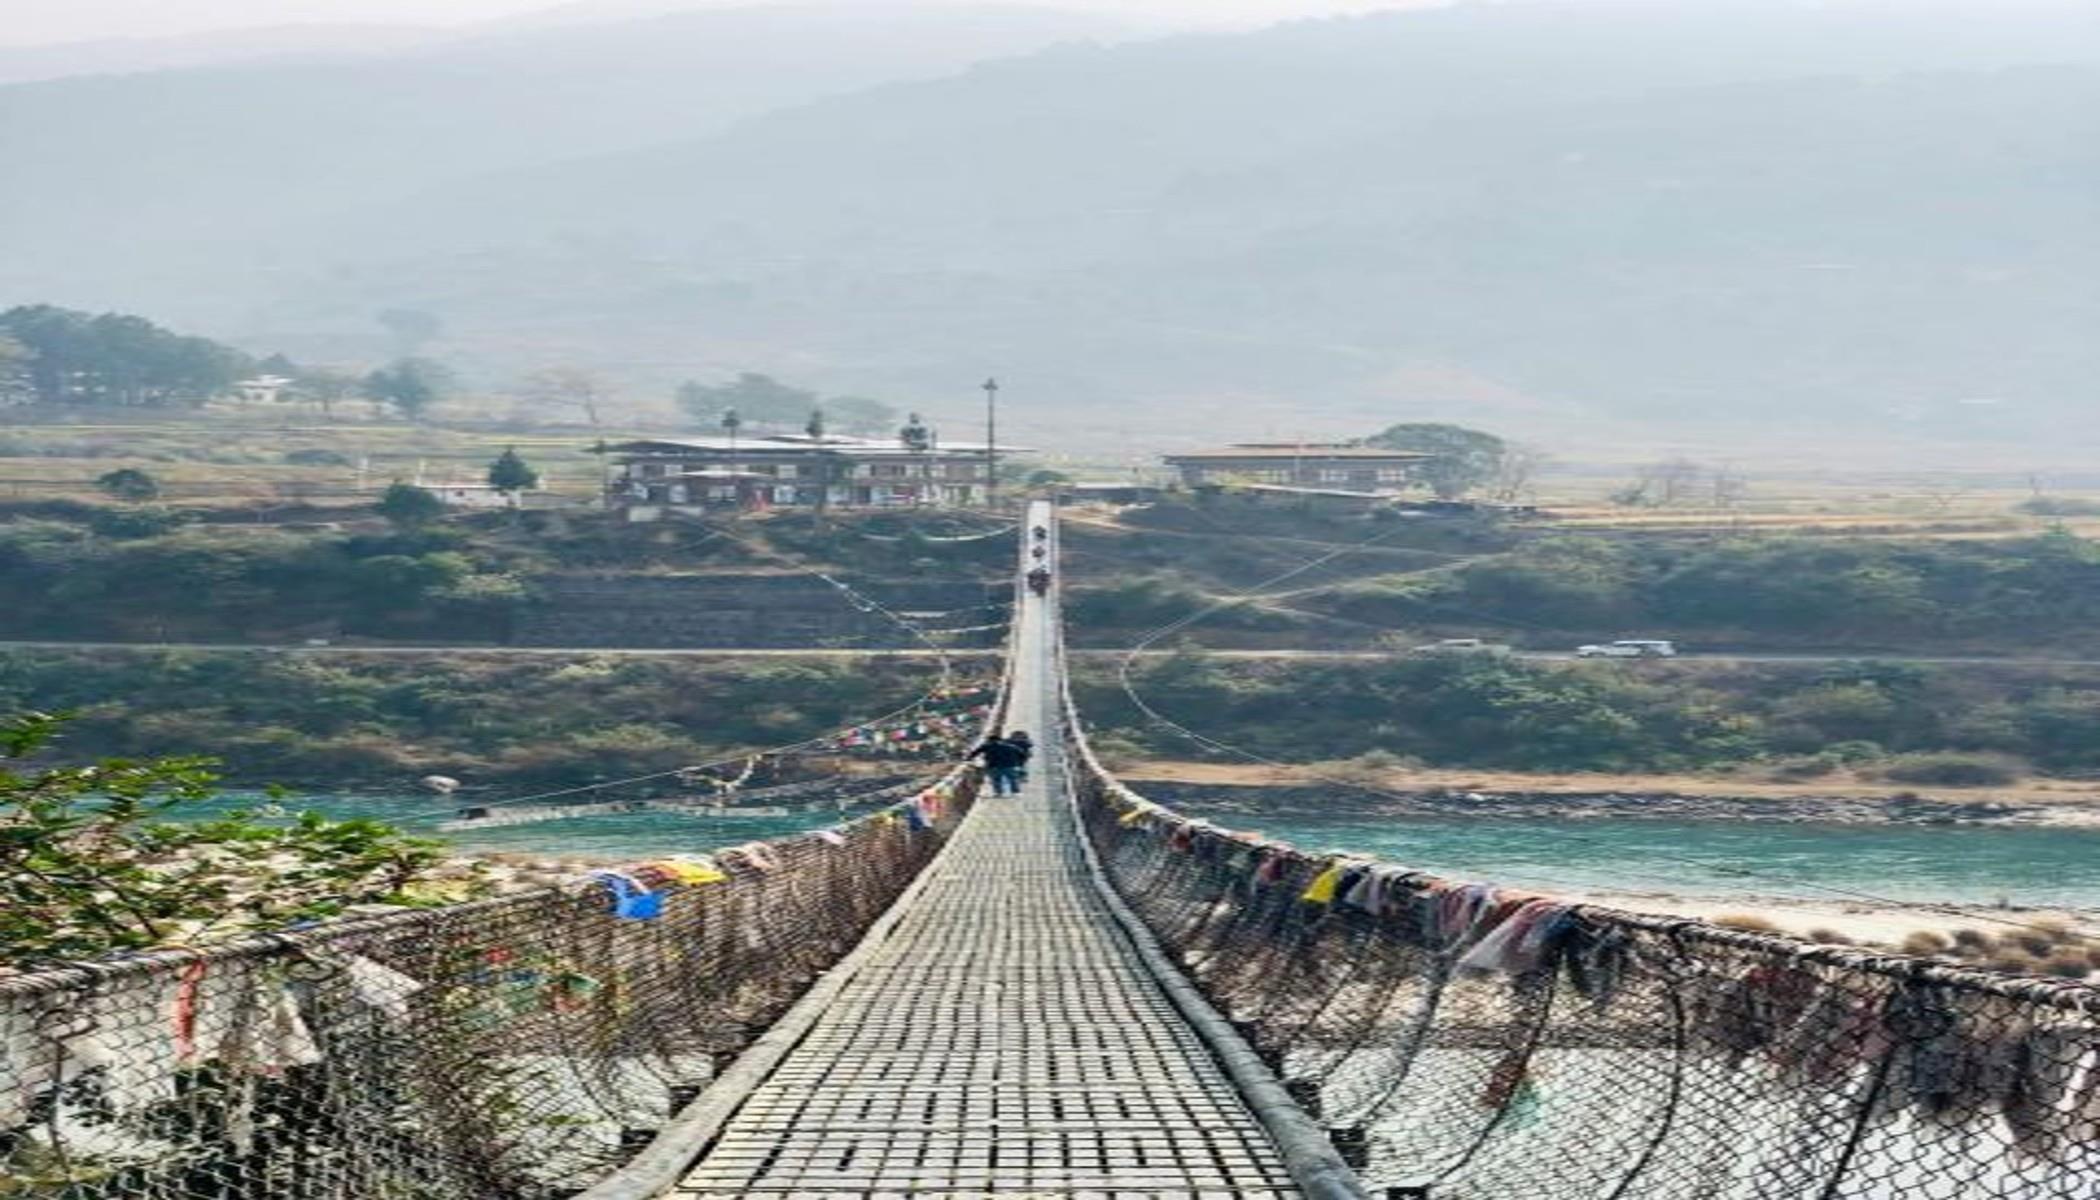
(1002, 763)
(1019, 738)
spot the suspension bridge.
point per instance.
(1072, 992)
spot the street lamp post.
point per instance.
(991, 443)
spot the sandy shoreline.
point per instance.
(1258, 791)
(1876, 923)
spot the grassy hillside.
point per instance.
(158, 574)
(1799, 722)
(1392, 581)
(381, 723)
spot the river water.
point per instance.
(2029, 866)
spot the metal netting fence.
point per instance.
(1462, 1040)
(518, 1047)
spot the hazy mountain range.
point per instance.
(1640, 220)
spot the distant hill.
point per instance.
(131, 55)
(1630, 220)
(164, 190)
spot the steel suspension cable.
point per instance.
(1137, 700)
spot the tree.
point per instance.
(411, 385)
(1514, 475)
(758, 398)
(129, 483)
(1462, 459)
(1941, 491)
(412, 328)
(1660, 485)
(80, 358)
(324, 387)
(814, 427)
(407, 505)
(568, 387)
(509, 473)
(92, 865)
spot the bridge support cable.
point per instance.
(523, 1048)
(511, 1049)
(1317, 1167)
(535, 809)
(1707, 869)
(1002, 1038)
(1465, 1040)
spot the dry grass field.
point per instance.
(240, 459)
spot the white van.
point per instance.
(1629, 648)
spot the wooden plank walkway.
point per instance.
(1005, 1040)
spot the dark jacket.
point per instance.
(1024, 744)
(1000, 754)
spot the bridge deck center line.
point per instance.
(1004, 1039)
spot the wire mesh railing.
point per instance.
(1464, 1040)
(518, 1047)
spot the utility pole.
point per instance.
(991, 443)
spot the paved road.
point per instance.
(835, 652)
(920, 652)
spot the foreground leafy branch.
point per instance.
(93, 860)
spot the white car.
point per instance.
(1628, 648)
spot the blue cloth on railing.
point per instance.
(631, 901)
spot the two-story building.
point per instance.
(795, 469)
(1332, 466)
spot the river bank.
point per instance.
(1873, 880)
(1261, 790)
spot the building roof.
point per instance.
(1277, 489)
(783, 444)
(1295, 450)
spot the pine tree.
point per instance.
(509, 473)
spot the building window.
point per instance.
(1333, 475)
(1392, 474)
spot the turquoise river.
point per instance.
(2021, 865)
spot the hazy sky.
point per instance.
(34, 21)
